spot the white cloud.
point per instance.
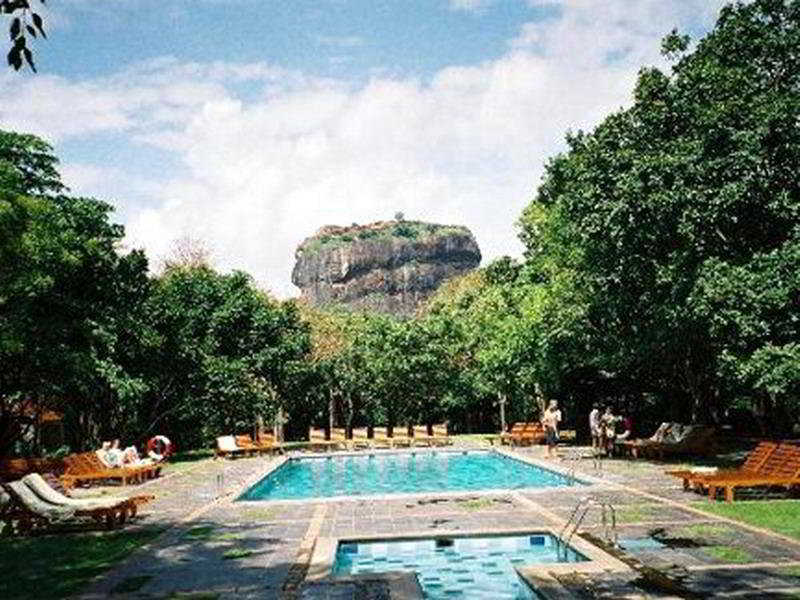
(261, 174)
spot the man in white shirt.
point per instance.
(594, 427)
(550, 420)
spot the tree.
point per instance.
(68, 298)
(695, 181)
(24, 22)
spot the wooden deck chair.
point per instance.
(360, 439)
(439, 435)
(532, 433)
(87, 468)
(514, 430)
(317, 439)
(380, 438)
(781, 469)
(752, 464)
(339, 437)
(400, 437)
(246, 443)
(689, 439)
(266, 443)
(122, 507)
(29, 511)
(227, 447)
(421, 437)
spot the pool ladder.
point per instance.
(608, 517)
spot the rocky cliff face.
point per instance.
(389, 266)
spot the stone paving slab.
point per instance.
(246, 550)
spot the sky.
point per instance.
(246, 125)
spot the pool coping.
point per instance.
(274, 465)
(540, 577)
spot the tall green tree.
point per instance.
(668, 202)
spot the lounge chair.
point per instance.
(317, 440)
(439, 435)
(751, 466)
(380, 438)
(686, 439)
(87, 467)
(360, 439)
(421, 436)
(227, 446)
(523, 434)
(122, 507)
(780, 469)
(265, 442)
(27, 507)
(400, 436)
(339, 437)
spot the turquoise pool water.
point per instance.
(399, 473)
(474, 568)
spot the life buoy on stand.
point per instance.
(159, 447)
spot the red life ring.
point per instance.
(160, 444)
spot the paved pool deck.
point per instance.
(213, 548)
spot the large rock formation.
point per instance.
(389, 266)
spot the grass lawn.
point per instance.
(782, 516)
(59, 565)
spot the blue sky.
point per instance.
(248, 124)
(339, 38)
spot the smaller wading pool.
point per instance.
(400, 473)
(474, 568)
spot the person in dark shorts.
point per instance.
(550, 421)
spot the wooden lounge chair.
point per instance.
(360, 439)
(380, 438)
(523, 434)
(317, 440)
(512, 434)
(439, 435)
(265, 442)
(400, 436)
(26, 508)
(421, 436)
(533, 433)
(87, 467)
(751, 466)
(781, 469)
(687, 439)
(227, 447)
(339, 437)
(125, 506)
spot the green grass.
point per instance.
(781, 516)
(704, 529)
(638, 512)
(729, 554)
(477, 504)
(57, 566)
(202, 532)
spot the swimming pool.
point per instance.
(477, 568)
(400, 473)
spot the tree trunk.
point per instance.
(502, 402)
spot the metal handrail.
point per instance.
(579, 514)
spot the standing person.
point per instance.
(550, 420)
(608, 427)
(595, 428)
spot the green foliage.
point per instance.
(413, 230)
(668, 206)
(24, 22)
